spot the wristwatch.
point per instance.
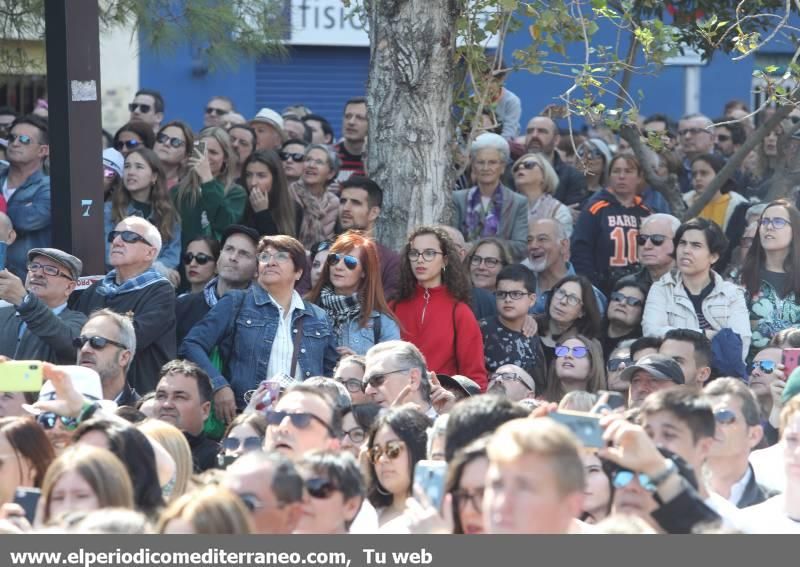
(87, 411)
(661, 477)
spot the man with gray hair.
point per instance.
(134, 286)
(656, 247)
(107, 345)
(696, 137)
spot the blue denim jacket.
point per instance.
(360, 340)
(29, 211)
(170, 255)
(246, 342)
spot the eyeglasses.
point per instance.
(200, 258)
(776, 223)
(49, 420)
(577, 351)
(766, 366)
(217, 111)
(489, 261)
(622, 298)
(725, 417)
(320, 488)
(127, 236)
(353, 385)
(350, 262)
(392, 450)
(571, 299)
(530, 164)
(474, 497)
(145, 108)
(692, 131)
(507, 376)
(174, 142)
(280, 257)
(23, 139)
(294, 156)
(656, 239)
(427, 255)
(129, 144)
(97, 343)
(515, 294)
(48, 270)
(356, 435)
(589, 153)
(377, 380)
(300, 420)
(614, 364)
(723, 138)
(624, 477)
(252, 443)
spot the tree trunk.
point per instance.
(410, 98)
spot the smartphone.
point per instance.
(615, 399)
(21, 376)
(28, 498)
(791, 360)
(585, 426)
(201, 146)
(430, 476)
(3, 250)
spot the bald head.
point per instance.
(512, 382)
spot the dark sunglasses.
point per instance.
(377, 380)
(301, 420)
(48, 421)
(392, 450)
(23, 139)
(656, 239)
(530, 164)
(725, 417)
(350, 262)
(622, 298)
(320, 488)
(766, 366)
(130, 144)
(200, 258)
(353, 385)
(294, 156)
(614, 364)
(127, 236)
(577, 351)
(623, 477)
(145, 108)
(217, 111)
(356, 435)
(589, 153)
(251, 443)
(97, 343)
(723, 137)
(174, 142)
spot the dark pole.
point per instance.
(72, 35)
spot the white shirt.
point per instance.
(366, 521)
(7, 191)
(729, 513)
(768, 467)
(769, 517)
(280, 358)
(738, 488)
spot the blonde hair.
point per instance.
(789, 410)
(210, 510)
(174, 443)
(577, 400)
(188, 189)
(549, 175)
(101, 470)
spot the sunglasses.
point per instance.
(217, 111)
(145, 108)
(251, 443)
(320, 488)
(174, 142)
(23, 139)
(300, 420)
(515, 295)
(377, 380)
(577, 351)
(356, 435)
(766, 366)
(723, 138)
(200, 258)
(525, 165)
(623, 477)
(614, 364)
(294, 156)
(353, 385)
(392, 450)
(656, 239)
(724, 417)
(589, 153)
(130, 144)
(127, 236)
(49, 420)
(97, 343)
(350, 262)
(622, 298)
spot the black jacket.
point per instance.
(153, 310)
(204, 451)
(189, 310)
(754, 493)
(571, 182)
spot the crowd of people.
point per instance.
(255, 361)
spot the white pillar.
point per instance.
(691, 101)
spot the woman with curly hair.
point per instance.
(433, 306)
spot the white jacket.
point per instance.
(668, 307)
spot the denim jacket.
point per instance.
(170, 254)
(243, 324)
(360, 340)
(29, 211)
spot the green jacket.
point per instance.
(213, 212)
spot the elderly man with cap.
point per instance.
(268, 126)
(37, 325)
(650, 374)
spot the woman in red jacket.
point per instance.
(433, 306)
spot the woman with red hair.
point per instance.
(350, 291)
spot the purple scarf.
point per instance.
(479, 223)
